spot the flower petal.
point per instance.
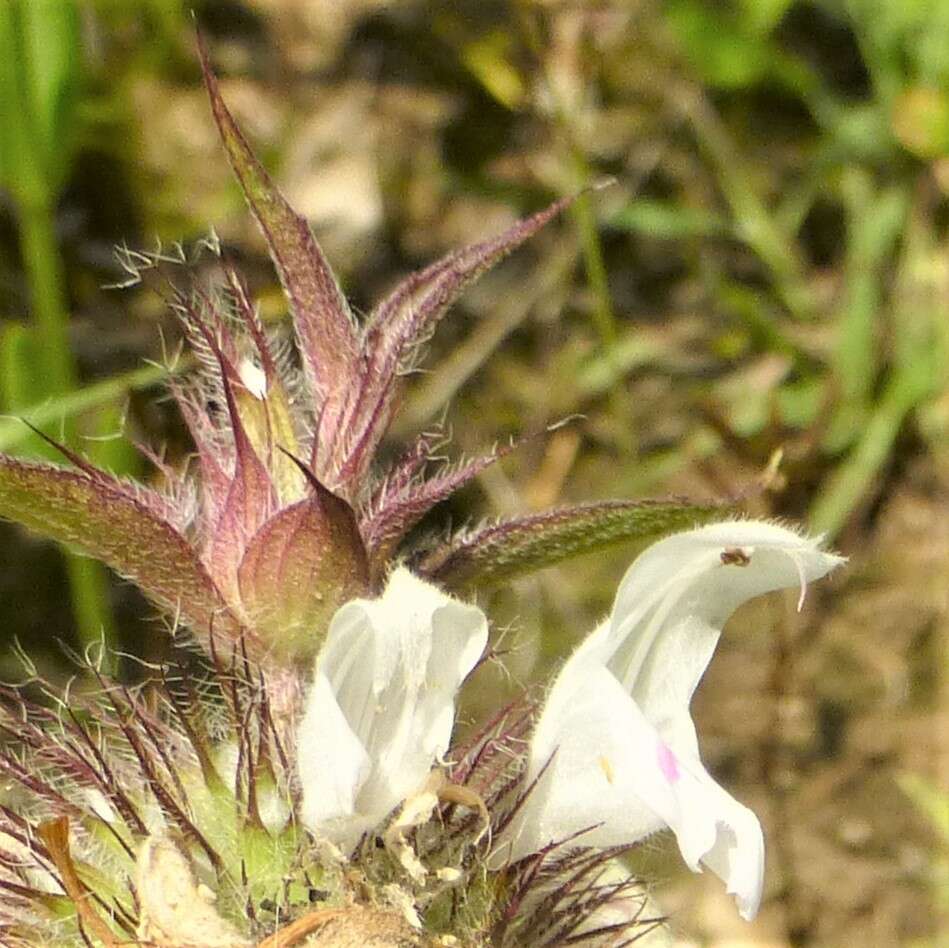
(391, 667)
(580, 739)
(332, 763)
(613, 780)
(674, 600)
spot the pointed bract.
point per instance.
(246, 508)
(499, 551)
(301, 566)
(322, 320)
(214, 479)
(402, 323)
(407, 316)
(251, 496)
(104, 518)
(402, 506)
(402, 475)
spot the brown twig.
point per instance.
(55, 836)
(296, 931)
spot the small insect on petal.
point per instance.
(735, 556)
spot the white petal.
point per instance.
(391, 667)
(332, 765)
(614, 780)
(581, 737)
(675, 598)
(616, 730)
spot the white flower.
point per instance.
(615, 755)
(382, 705)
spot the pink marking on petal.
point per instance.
(667, 762)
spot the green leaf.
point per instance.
(20, 381)
(844, 489)
(17, 172)
(102, 518)
(762, 16)
(929, 799)
(717, 46)
(22, 384)
(51, 45)
(489, 60)
(497, 552)
(875, 222)
(920, 119)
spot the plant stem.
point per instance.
(45, 271)
(579, 167)
(756, 225)
(592, 250)
(13, 433)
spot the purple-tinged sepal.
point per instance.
(128, 527)
(299, 568)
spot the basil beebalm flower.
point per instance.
(614, 756)
(305, 781)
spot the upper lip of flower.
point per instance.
(615, 752)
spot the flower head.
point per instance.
(284, 514)
(614, 756)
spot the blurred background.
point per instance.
(759, 298)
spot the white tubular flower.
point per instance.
(615, 755)
(382, 704)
